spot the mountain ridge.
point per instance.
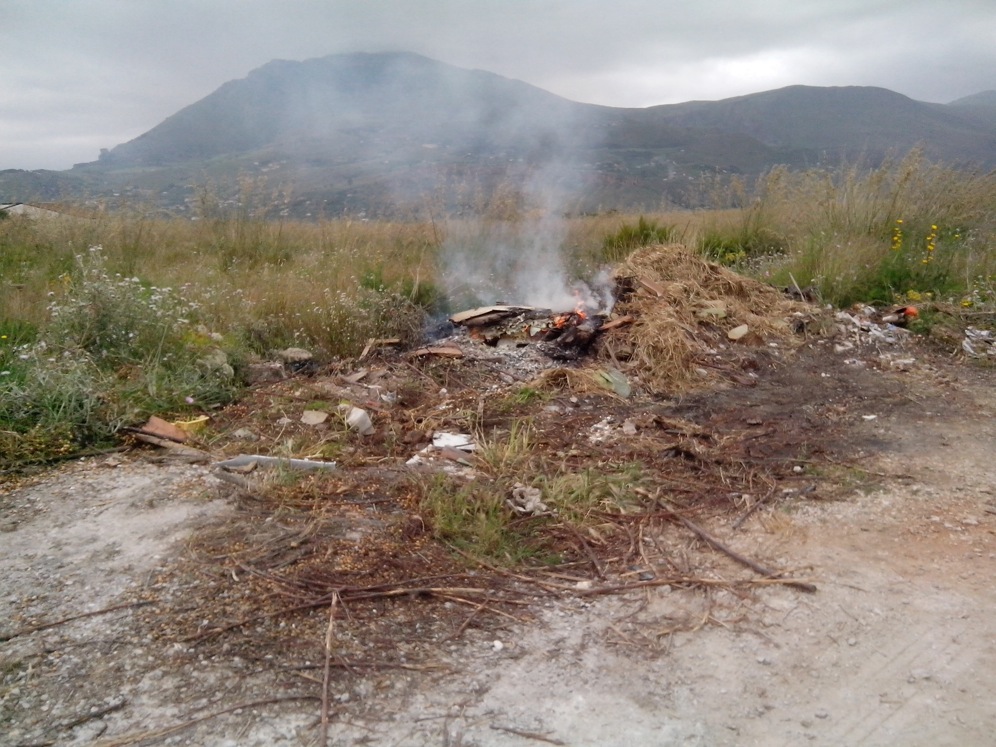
(381, 132)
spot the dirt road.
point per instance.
(897, 646)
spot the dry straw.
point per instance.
(684, 308)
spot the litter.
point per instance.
(461, 441)
(357, 419)
(526, 500)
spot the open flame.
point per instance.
(577, 316)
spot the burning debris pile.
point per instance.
(679, 316)
(565, 336)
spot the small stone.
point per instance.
(314, 417)
(852, 641)
(497, 645)
(737, 332)
(822, 714)
(265, 373)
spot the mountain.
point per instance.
(351, 104)
(983, 99)
(389, 133)
(847, 121)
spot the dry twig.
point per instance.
(526, 734)
(63, 621)
(145, 736)
(323, 738)
(743, 560)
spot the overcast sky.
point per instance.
(80, 75)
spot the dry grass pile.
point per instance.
(685, 310)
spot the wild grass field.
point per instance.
(109, 318)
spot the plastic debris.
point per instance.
(460, 441)
(979, 343)
(357, 419)
(526, 500)
(614, 380)
(195, 425)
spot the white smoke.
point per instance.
(520, 262)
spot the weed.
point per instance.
(616, 247)
(870, 235)
(576, 496)
(114, 350)
(524, 397)
(475, 516)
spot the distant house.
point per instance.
(32, 211)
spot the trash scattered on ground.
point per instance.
(454, 449)
(614, 381)
(526, 501)
(357, 419)
(294, 357)
(979, 343)
(862, 328)
(461, 441)
(194, 425)
(160, 428)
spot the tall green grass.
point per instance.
(906, 228)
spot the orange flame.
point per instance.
(579, 307)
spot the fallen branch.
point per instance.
(686, 581)
(355, 594)
(750, 511)
(323, 734)
(442, 351)
(350, 665)
(45, 626)
(467, 622)
(181, 451)
(526, 734)
(251, 461)
(615, 323)
(95, 713)
(587, 551)
(144, 736)
(743, 560)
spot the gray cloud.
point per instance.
(79, 76)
